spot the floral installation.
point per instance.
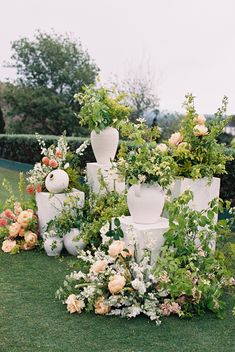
(101, 108)
(142, 159)
(195, 147)
(55, 157)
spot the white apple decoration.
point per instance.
(57, 181)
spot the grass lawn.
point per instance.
(12, 177)
(32, 320)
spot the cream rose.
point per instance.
(116, 248)
(99, 266)
(14, 229)
(74, 305)
(8, 245)
(175, 139)
(200, 130)
(24, 218)
(30, 240)
(162, 147)
(116, 283)
(101, 307)
(200, 120)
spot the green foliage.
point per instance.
(227, 190)
(199, 154)
(2, 122)
(187, 268)
(101, 108)
(51, 68)
(116, 233)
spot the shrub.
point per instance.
(25, 148)
(228, 181)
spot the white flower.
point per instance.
(82, 147)
(133, 311)
(142, 178)
(139, 286)
(66, 166)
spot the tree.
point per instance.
(2, 122)
(51, 68)
(140, 90)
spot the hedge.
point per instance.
(25, 149)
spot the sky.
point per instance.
(187, 45)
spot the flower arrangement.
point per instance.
(55, 157)
(20, 229)
(143, 160)
(101, 108)
(195, 147)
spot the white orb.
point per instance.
(57, 181)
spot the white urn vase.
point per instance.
(71, 243)
(105, 144)
(49, 205)
(145, 203)
(57, 181)
(53, 246)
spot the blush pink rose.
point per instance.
(99, 266)
(175, 139)
(8, 245)
(17, 208)
(162, 147)
(200, 130)
(14, 229)
(200, 120)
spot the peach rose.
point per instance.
(101, 307)
(162, 147)
(200, 130)
(21, 232)
(9, 214)
(116, 283)
(17, 208)
(74, 305)
(30, 189)
(14, 229)
(99, 266)
(45, 160)
(116, 248)
(53, 163)
(8, 245)
(200, 120)
(30, 240)
(25, 217)
(175, 139)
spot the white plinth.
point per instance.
(94, 170)
(149, 236)
(49, 205)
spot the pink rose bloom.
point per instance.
(99, 266)
(25, 217)
(30, 189)
(14, 229)
(9, 214)
(17, 208)
(39, 188)
(175, 139)
(74, 305)
(53, 163)
(116, 248)
(116, 283)
(8, 245)
(3, 222)
(45, 160)
(200, 130)
(200, 120)
(58, 153)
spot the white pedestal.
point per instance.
(49, 205)
(203, 192)
(149, 236)
(94, 170)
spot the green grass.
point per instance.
(32, 320)
(12, 177)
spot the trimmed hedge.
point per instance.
(25, 148)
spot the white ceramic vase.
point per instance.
(145, 203)
(105, 144)
(203, 191)
(71, 243)
(57, 181)
(53, 246)
(49, 205)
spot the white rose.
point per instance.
(116, 283)
(175, 139)
(200, 130)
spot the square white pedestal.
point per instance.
(93, 177)
(146, 236)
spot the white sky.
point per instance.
(189, 44)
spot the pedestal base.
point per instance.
(94, 173)
(146, 236)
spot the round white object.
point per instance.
(72, 244)
(105, 144)
(57, 181)
(145, 203)
(53, 246)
